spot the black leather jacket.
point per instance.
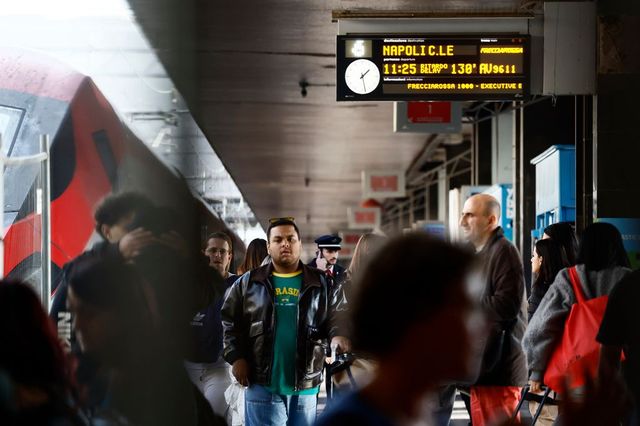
(248, 319)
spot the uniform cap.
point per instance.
(329, 241)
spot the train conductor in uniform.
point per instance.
(327, 257)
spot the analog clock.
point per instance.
(362, 76)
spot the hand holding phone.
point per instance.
(321, 262)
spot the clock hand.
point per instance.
(365, 73)
(365, 87)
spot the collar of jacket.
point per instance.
(495, 236)
(310, 276)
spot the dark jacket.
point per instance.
(248, 319)
(503, 300)
(206, 327)
(339, 273)
(538, 289)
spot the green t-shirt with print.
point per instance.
(287, 292)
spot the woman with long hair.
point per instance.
(256, 253)
(365, 249)
(548, 259)
(420, 342)
(39, 375)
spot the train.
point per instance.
(92, 153)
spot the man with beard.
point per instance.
(327, 257)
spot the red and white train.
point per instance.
(92, 154)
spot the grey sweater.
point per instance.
(547, 324)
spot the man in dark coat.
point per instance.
(327, 257)
(502, 295)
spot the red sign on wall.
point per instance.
(384, 183)
(364, 217)
(429, 112)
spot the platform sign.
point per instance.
(383, 184)
(427, 117)
(432, 67)
(364, 217)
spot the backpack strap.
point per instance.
(576, 284)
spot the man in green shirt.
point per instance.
(277, 320)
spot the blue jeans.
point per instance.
(263, 408)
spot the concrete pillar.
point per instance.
(616, 114)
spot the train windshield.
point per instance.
(10, 119)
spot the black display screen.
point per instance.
(421, 67)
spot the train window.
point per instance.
(105, 152)
(10, 120)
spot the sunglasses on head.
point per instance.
(282, 219)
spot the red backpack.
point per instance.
(578, 353)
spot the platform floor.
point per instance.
(459, 416)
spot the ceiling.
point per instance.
(238, 68)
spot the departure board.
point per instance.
(428, 67)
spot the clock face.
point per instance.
(362, 76)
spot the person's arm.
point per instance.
(547, 325)
(505, 301)
(234, 335)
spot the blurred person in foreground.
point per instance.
(256, 253)
(496, 392)
(277, 320)
(619, 331)
(114, 324)
(421, 341)
(113, 217)
(37, 385)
